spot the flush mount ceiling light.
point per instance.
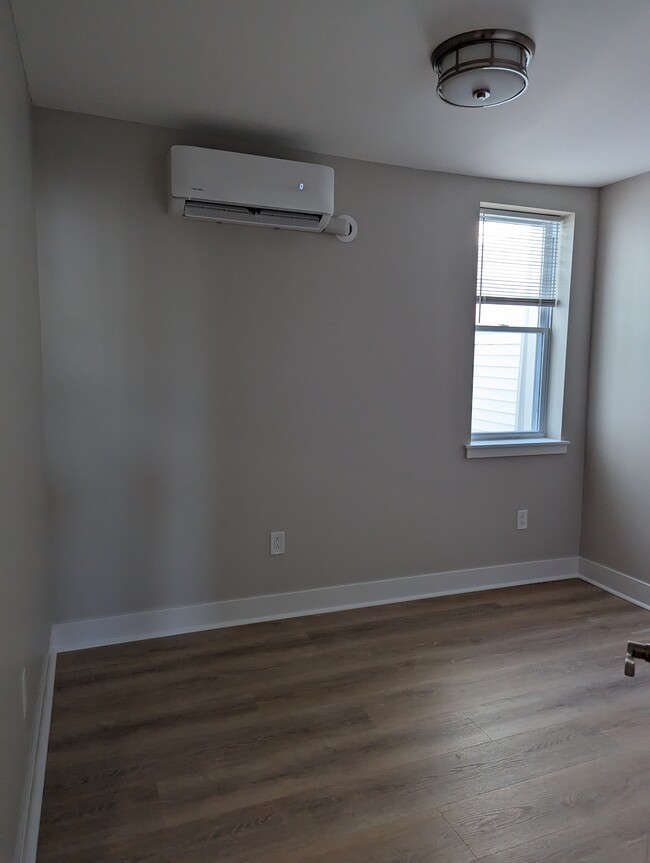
(483, 67)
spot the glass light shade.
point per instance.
(483, 68)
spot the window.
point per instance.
(516, 294)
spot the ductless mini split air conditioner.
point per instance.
(219, 186)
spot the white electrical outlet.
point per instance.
(522, 519)
(277, 542)
(23, 689)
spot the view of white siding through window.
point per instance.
(515, 295)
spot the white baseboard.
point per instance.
(615, 582)
(78, 634)
(33, 798)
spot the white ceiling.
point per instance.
(352, 78)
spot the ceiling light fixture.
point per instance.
(483, 67)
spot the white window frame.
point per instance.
(548, 438)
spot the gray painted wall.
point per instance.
(24, 614)
(207, 384)
(617, 471)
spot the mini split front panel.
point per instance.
(220, 186)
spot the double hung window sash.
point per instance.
(516, 292)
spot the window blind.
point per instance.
(517, 259)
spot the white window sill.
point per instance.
(504, 448)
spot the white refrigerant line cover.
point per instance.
(217, 185)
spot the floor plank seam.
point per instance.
(460, 838)
(476, 725)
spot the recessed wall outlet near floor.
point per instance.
(522, 519)
(277, 542)
(23, 689)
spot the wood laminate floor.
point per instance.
(495, 726)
